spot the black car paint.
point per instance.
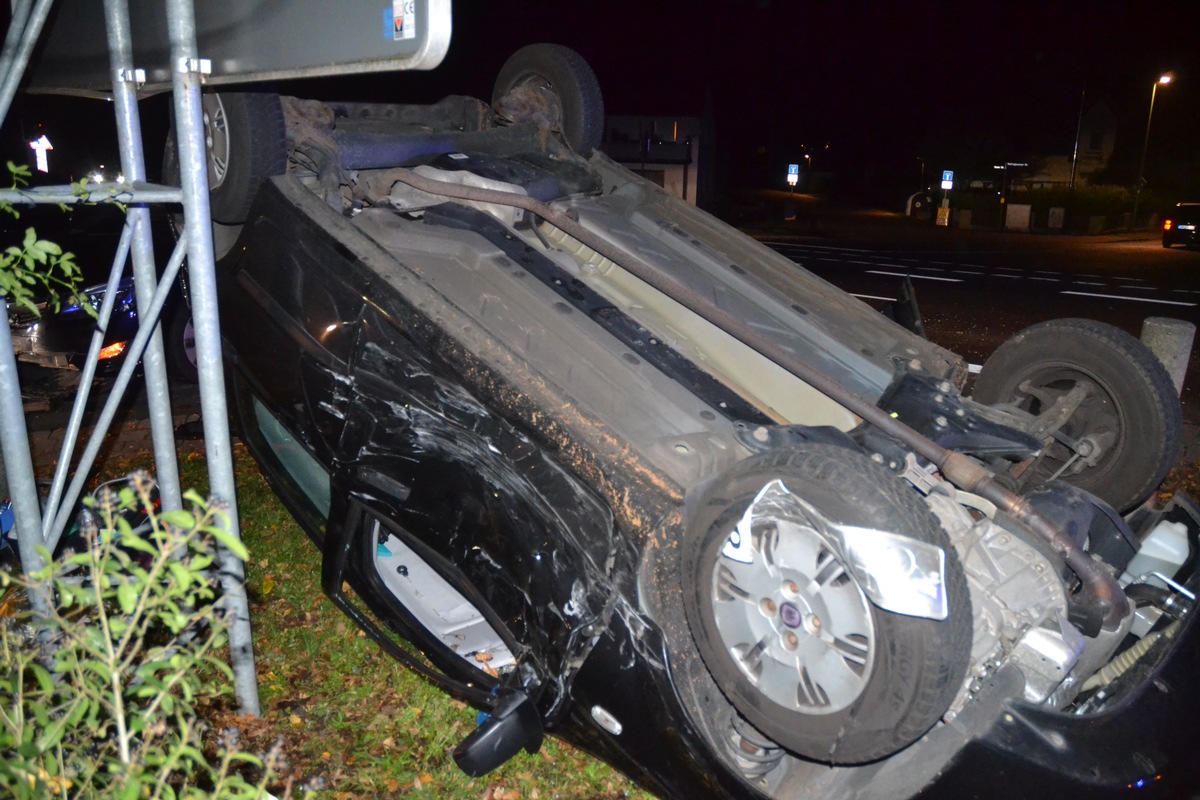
(525, 512)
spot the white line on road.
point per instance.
(1036, 278)
(1090, 283)
(918, 277)
(967, 272)
(816, 247)
(1134, 299)
(1136, 288)
(874, 297)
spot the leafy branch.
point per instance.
(108, 707)
(38, 268)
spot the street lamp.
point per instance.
(1163, 80)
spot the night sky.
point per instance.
(881, 82)
(885, 84)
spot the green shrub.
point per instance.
(1090, 201)
(100, 699)
(37, 266)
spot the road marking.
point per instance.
(1005, 275)
(817, 247)
(918, 277)
(1090, 283)
(1137, 288)
(874, 297)
(1036, 278)
(966, 272)
(1134, 299)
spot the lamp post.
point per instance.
(1163, 80)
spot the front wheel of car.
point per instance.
(788, 631)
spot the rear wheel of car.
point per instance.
(246, 143)
(558, 81)
(789, 634)
(1123, 437)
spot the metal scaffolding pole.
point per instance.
(196, 243)
(187, 71)
(133, 165)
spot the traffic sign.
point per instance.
(947, 179)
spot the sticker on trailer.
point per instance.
(400, 21)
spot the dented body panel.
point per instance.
(509, 407)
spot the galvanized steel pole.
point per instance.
(145, 279)
(187, 67)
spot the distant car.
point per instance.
(623, 474)
(1181, 226)
(60, 339)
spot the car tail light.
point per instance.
(112, 351)
(1167, 224)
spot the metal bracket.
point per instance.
(203, 66)
(135, 76)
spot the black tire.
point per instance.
(257, 149)
(1133, 411)
(179, 344)
(247, 143)
(570, 80)
(911, 667)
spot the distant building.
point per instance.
(1097, 138)
(665, 150)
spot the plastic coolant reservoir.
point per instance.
(1163, 550)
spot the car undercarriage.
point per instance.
(623, 474)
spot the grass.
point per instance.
(353, 722)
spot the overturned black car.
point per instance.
(624, 475)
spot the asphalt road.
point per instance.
(975, 288)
